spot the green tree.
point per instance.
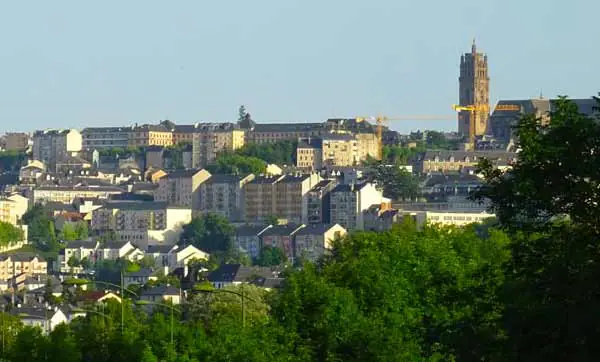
(12, 160)
(547, 202)
(41, 232)
(272, 220)
(63, 345)
(30, 345)
(210, 233)
(231, 163)
(271, 256)
(397, 183)
(10, 234)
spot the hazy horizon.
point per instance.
(72, 64)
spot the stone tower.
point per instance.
(474, 89)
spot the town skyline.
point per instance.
(204, 61)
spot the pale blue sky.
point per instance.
(80, 63)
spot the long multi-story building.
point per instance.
(99, 138)
(318, 203)
(66, 194)
(210, 139)
(150, 135)
(142, 223)
(507, 113)
(14, 265)
(51, 146)
(224, 195)
(348, 204)
(182, 188)
(444, 161)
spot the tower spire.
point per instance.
(473, 47)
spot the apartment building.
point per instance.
(67, 193)
(16, 264)
(182, 188)
(335, 150)
(99, 138)
(32, 172)
(318, 203)
(349, 203)
(449, 217)
(282, 196)
(291, 201)
(210, 139)
(143, 223)
(76, 250)
(16, 141)
(224, 195)
(51, 146)
(12, 208)
(312, 241)
(149, 135)
(445, 161)
(259, 198)
(184, 133)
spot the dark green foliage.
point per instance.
(175, 152)
(397, 183)
(210, 233)
(397, 155)
(437, 141)
(41, 231)
(271, 256)
(233, 163)
(9, 234)
(12, 160)
(548, 204)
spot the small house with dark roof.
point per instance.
(161, 294)
(281, 236)
(78, 250)
(140, 277)
(88, 297)
(235, 274)
(312, 241)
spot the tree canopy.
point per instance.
(10, 234)
(210, 233)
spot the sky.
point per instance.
(73, 63)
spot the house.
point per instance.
(247, 239)
(174, 256)
(45, 318)
(32, 173)
(96, 296)
(78, 250)
(161, 294)
(312, 241)
(236, 274)
(113, 250)
(140, 277)
(282, 237)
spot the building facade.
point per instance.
(182, 188)
(51, 146)
(149, 135)
(224, 195)
(99, 138)
(16, 141)
(210, 139)
(474, 90)
(311, 242)
(444, 161)
(349, 203)
(335, 150)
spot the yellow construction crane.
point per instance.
(382, 120)
(472, 109)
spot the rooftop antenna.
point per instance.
(541, 94)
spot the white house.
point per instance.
(174, 256)
(45, 318)
(140, 277)
(162, 294)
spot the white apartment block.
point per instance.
(140, 222)
(349, 204)
(182, 188)
(66, 194)
(52, 146)
(455, 218)
(12, 208)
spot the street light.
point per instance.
(85, 281)
(170, 306)
(206, 288)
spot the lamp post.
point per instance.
(211, 289)
(121, 286)
(171, 307)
